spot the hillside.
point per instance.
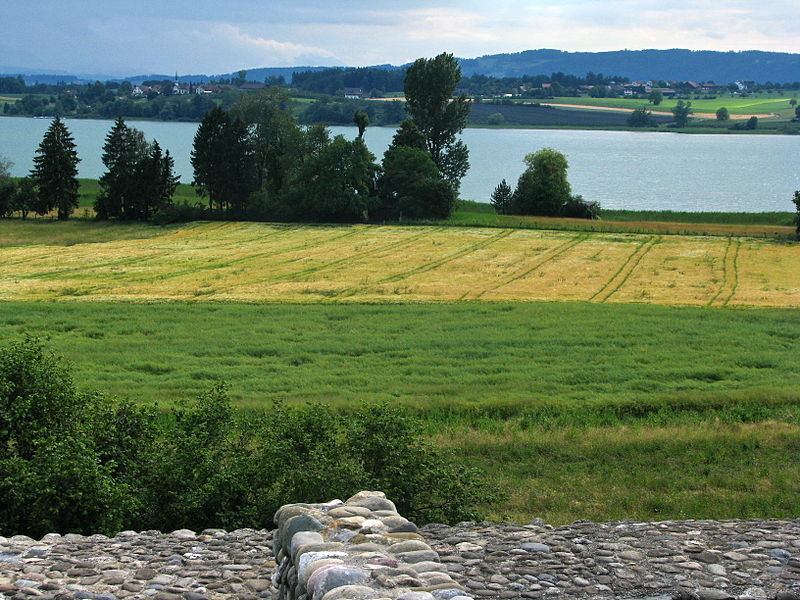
(675, 64)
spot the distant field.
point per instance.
(735, 105)
(767, 225)
(532, 116)
(90, 189)
(257, 262)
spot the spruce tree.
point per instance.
(55, 171)
(156, 182)
(124, 149)
(223, 162)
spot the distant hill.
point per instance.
(676, 64)
(679, 65)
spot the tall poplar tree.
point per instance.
(429, 88)
(55, 170)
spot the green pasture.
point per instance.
(499, 359)
(735, 105)
(663, 216)
(576, 411)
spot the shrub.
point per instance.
(578, 208)
(87, 463)
(180, 213)
(496, 119)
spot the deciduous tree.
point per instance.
(655, 97)
(410, 186)
(681, 112)
(55, 170)
(796, 201)
(223, 162)
(543, 188)
(641, 117)
(429, 88)
(722, 114)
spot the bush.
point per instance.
(85, 463)
(578, 208)
(180, 213)
(496, 119)
(52, 473)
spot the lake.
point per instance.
(620, 169)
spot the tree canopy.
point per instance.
(543, 188)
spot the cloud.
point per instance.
(259, 51)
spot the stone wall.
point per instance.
(354, 550)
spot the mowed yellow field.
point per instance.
(307, 263)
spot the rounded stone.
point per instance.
(535, 547)
(332, 578)
(352, 592)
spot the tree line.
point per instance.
(139, 180)
(254, 161)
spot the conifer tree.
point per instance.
(156, 182)
(55, 171)
(124, 149)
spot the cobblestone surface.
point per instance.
(709, 560)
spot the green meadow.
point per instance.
(576, 411)
(757, 104)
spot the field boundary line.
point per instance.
(735, 272)
(621, 276)
(546, 257)
(339, 261)
(458, 254)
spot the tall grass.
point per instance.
(565, 363)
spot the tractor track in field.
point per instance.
(356, 255)
(621, 276)
(730, 277)
(450, 257)
(240, 259)
(545, 258)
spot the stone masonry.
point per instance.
(685, 560)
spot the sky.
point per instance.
(125, 37)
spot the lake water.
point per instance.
(620, 169)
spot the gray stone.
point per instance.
(535, 547)
(780, 554)
(324, 580)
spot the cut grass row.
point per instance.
(577, 411)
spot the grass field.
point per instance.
(257, 262)
(752, 105)
(619, 405)
(576, 410)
